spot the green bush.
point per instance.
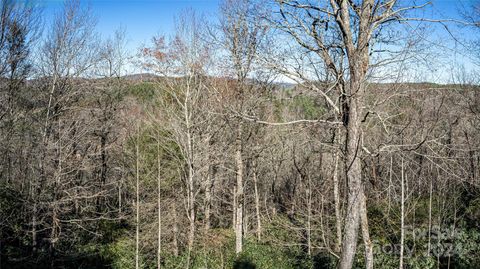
(143, 91)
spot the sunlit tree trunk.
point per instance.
(159, 211)
(402, 216)
(336, 198)
(175, 229)
(239, 191)
(137, 204)
(309, 216)
(257, 203)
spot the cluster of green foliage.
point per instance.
(215, 250)
(306, 106)
(144, 91)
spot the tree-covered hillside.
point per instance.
(262, 139)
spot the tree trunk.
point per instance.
(257, 203)
(34, 220)
(354, 181)
(366, 233)
(430, 200)
(191, 217)
(208, 195)
(402, 218)
(54, 233)
(103, 171)
(309, 216)
(190, 179)
(336, 198)
(120, 183)
(175, 229)
(234, 208)
(137, 206)
(159, 211)
(239, 193)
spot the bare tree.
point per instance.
(342, 33)
(69, 52)
(183, 63)
(241, 36)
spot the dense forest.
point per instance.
(280, 134)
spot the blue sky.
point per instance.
(143, 19)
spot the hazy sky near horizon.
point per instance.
(143, 19)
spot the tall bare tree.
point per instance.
(241, 36)
(183, 63)
(342, 35)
